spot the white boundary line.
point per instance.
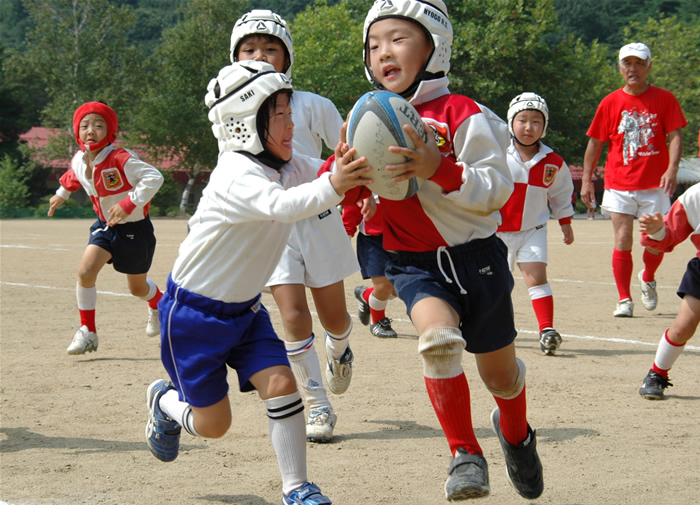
(580, 337)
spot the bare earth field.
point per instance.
(72, 427)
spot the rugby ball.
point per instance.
(376, 122)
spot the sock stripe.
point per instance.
(285, 411)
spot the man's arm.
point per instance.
(590, 161)
(675, 150)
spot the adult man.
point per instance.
(642, 126)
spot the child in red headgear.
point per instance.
(121, 187)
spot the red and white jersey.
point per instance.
(681, 221)
(636, 128)
(459, 203)
(544, 178)
(119, 176)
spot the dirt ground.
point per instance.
(72, 427)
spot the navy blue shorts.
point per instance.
(200, 337)
(132, 245)
(690, 283)
(371, 255)
(481, 266)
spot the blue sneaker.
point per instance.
(308, 494)
(162, 433)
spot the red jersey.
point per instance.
(636, 128)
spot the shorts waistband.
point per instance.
(209, 305)
(430, 258)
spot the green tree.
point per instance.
(79, 53)
(675, 49)
(14, 191)
(328, 54)
(172, 117)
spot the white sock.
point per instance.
(178, 411)
(667, 353)
(376, 303)
(87, 297)
(152, 290)
(288, 437)
(336, 344)
(307, 372)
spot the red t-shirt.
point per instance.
(636, 128)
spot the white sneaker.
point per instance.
(649, 296)
(339, 371)
(153, 326)
(320, 426)
(84, 341)
(624, 308)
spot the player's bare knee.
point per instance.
(441, 350)
(506, 388)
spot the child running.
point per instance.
(449, 267)
(664, 234)
(211, 314)
(541, 176)
(121, 187)
(318, 254)
(372, 301)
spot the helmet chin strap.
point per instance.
(526, 145)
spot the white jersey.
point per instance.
(319, 252)
(242, 224)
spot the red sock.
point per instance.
(544, 310)
(366, 293)
(662, 373)
(377, 315)
(153, 302)
(452, 404)
(651, 265)
(513, 418)
(87, 318)
(622, 266)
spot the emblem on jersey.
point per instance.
(112, 179)
(549, 172)
(324, 214)
(638, 130)
(441, 133)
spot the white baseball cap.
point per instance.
(638, 49)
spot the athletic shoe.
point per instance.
(362, 305)
(308, 494)
(550, 340)
(153, 326)
(649, 296)
(383, 329)
(339, 372)
(523, 466)
(624, 308)
(320, 426)
(162, 433)
(653, 386)
(468, 477)
(83, 341)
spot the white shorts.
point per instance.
(529, 246)
(635, 203)
(318, 253)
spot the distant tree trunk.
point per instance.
(188, 189)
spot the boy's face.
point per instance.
(528, 126)
(281, 129)
(397, 51)
(263, 48)
(92, 129)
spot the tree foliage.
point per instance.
(328, 54)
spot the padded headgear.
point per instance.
(107, 114)
(432, 16)
(266, 22)
(234, 98)
(528, 101)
